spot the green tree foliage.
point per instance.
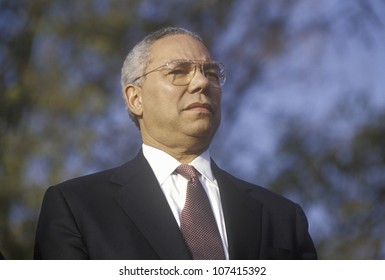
(61, 114)
(341, 182)
(16, 101)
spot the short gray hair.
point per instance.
(137, 59)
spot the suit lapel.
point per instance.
(243, 216)
(143, 201)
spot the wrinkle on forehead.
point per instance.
(177, 47)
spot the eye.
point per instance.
(178, 71)
(212, 72)
(183, 68)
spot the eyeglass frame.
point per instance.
(201, 63)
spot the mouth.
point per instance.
(202, 107)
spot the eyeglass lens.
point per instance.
(182, 72)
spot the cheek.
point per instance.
(154, 94)
(161, 104)
(216, 100)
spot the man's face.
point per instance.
(178, 115)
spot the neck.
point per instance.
(184, 155)
(184, 148)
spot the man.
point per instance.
(153, 206)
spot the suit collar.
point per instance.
(164, 164)
(154, 219)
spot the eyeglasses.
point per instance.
(180, 72)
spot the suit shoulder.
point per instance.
(85, 182)
(99, 183)
(258, 192)
(82, 194)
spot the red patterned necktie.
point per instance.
(197, 221)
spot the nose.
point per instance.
(199, 82)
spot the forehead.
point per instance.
(178, 47)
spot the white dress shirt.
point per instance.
(174, 186)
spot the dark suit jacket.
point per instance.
(1, 256)
(122, 213)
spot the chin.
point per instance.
(201, 128)
(203, 132)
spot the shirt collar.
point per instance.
(164, 165)
(202, 163)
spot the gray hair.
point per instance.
(137, 59)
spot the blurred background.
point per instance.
(303, 105)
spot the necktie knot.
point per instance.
(187, 171)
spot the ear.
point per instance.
(133, 99)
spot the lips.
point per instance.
(200, 106)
